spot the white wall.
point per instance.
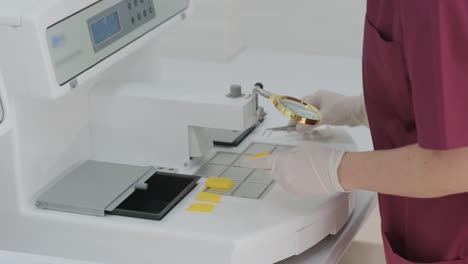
(319, 26)
(218, 29)
(212, 31)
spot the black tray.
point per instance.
(165, 191)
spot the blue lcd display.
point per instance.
(105, 28)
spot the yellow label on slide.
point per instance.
(208, 197)
(258, 155)
(219, 183)
(201, 208)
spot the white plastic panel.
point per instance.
(22, 258)
(29, 40)
(73, 48)
(10, 13)
(4, 112)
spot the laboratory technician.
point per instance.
(415, 75)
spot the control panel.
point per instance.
(82, 40)
(118, 21)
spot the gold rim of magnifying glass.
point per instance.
(276, 100)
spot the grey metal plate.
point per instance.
(237, 174)
(279, 149)
(248, 183)
(260, 147)
(211, 170)
(92, 187)
(250, 190)
(238, 162)
(260, 176)
(224, 158)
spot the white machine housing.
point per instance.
(5, 118)
(66, 60)
(170, 117)
(60, 123)
(46, 29)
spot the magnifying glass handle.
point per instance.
(258, 90)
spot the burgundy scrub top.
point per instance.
(415, 73)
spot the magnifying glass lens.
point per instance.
(299, 109)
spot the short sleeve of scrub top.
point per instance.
(435, 33)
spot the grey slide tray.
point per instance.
(100, 188)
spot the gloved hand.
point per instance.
(307, 170)
(337, 110)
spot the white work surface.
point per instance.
(20, 258)
(331, 249)
(328, 251)
(282, 73)
(296, 75)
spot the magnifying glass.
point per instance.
(297, 110)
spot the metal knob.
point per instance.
(235, 91)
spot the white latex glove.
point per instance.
(337, 110)
(307, 170)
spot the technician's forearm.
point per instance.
(409, 171)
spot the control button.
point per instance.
(139, 16)
(142, 1)
(129, 6)
(145, 13)
(150, 9)
(133, 20)
(135, 3)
